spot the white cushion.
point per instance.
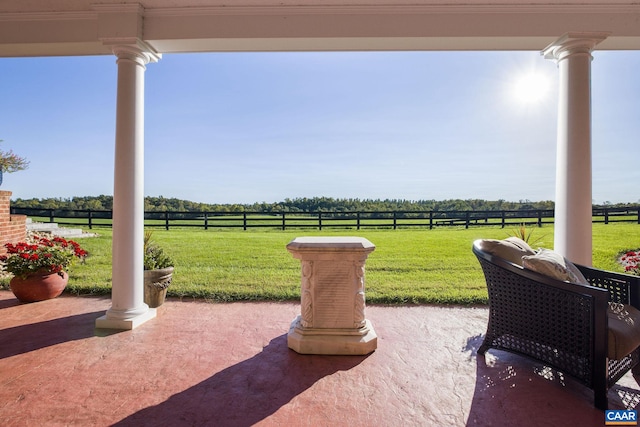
(554, 265)
(624, 330)
(511, 249)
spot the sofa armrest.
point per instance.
(623, 288)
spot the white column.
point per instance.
(573, 206)
(128, 309)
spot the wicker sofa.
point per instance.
(567, 326)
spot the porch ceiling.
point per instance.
(86, 27)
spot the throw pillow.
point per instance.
(511, 249)
(554, 265)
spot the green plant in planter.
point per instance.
(522, 232)
(38, 266)
(155, 257)
(158, 272)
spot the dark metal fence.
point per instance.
(320, 220)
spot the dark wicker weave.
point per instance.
(560, 324)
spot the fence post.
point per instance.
(430, 220)
(358, 219)
(638, 215)
(244, 221)
(206, 221)
(395, 224)
(166, 220)
(90, 215)
(284, 222)
(503, 219)
(539, 218)
(466, 219)
(606, 215)
(319, 220)
(51, 215)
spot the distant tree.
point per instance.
(303, 204)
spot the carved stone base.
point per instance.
(331, 341)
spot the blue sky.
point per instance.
(253, 127)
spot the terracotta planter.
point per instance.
(156, 283)
(39, 286)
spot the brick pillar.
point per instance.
(13, 228)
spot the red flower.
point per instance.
(53, 255)
(46, 242)
(80, 253)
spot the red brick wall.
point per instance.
(13, 228)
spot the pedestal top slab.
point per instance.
(331, 243)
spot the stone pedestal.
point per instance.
(332, 319)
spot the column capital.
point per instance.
(573, 43)
(133, 49)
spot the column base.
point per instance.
(105, 322)
(350, 342)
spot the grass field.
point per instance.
(408, 266)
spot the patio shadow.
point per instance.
(34, 336)
(514, 390)
(6, 303)
(245, 393)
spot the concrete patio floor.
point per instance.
(205, 364)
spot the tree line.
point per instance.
(303, 204)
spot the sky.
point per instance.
(263, 127)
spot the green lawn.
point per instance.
(408, 266)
